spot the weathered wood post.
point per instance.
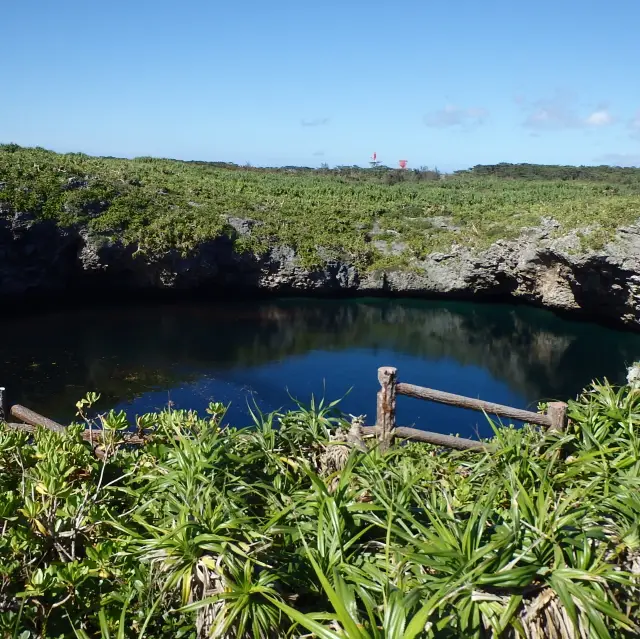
(557, 412)
(3, 405)
(31, 417)
(386, 408)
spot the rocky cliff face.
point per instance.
(39, 259)
(542, 269)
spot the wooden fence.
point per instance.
(385, 429)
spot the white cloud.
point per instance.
(315, 122)
(559, 112)
(452, 115)
(550, 113)
(601, 117)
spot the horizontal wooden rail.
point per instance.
(34, 419)
(93, 435)
(448, 441)
(437, 439)
(409, 390)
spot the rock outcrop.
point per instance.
(541, 267)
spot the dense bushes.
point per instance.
(287, 529)
(159, 205)
(622, 175)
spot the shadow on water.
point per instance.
(139, 358)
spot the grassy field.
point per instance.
(166, 204)
(285, 530)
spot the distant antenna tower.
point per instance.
(403, 164)
(374, 160)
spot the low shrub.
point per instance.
(287, 529)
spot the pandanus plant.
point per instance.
(299, 526)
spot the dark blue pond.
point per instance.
(141, 358)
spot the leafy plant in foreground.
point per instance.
(288, 528)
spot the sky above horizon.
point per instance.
(446, 84)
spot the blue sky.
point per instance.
(448, 83)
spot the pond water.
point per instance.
(266, 352)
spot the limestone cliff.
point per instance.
(39, 259)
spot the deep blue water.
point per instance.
(141, 358)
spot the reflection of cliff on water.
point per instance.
(49, 361)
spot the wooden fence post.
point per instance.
(3, 405)
(386, 408)
(557, 412)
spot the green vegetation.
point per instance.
(159, 205)
(610, 174)
(286, 529)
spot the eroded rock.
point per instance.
(540, 267)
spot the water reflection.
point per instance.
(138, 358)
